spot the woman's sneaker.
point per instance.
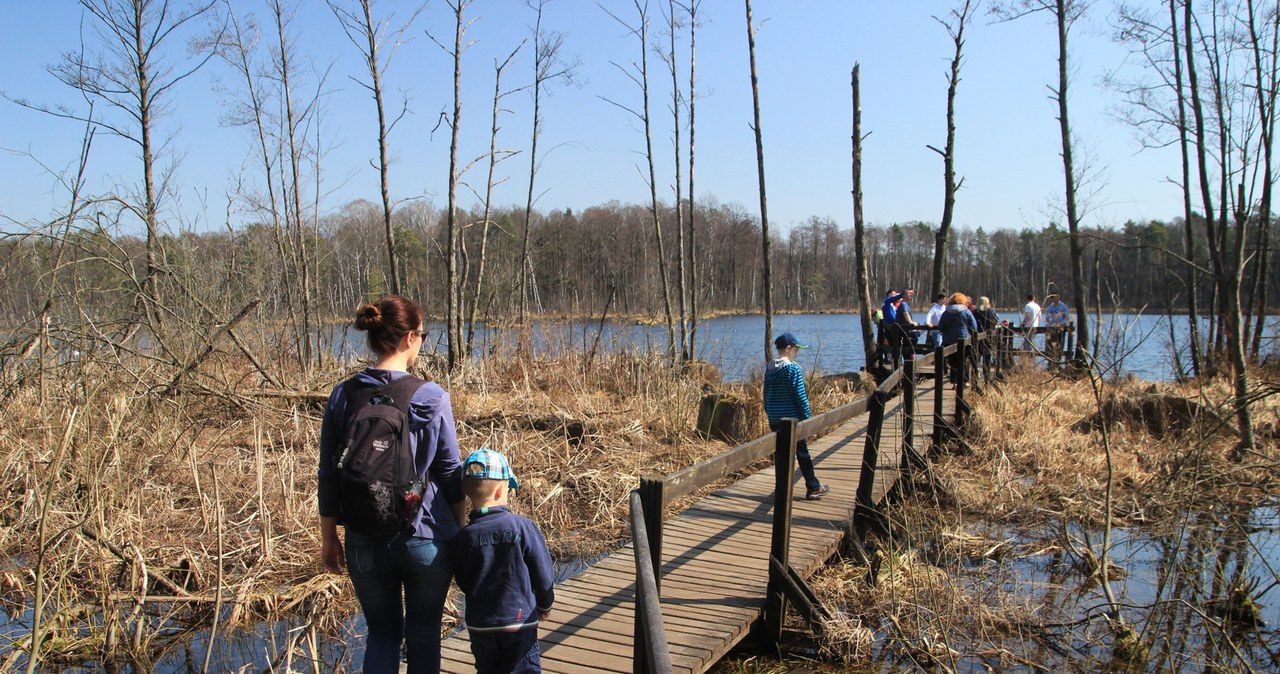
(817, 493)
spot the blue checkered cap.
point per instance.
(486, 464)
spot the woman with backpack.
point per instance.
(391, 474)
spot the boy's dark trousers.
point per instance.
(507, 652)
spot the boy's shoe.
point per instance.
(819, 492)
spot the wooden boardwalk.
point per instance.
(715, 560)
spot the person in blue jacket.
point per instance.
(957, 323)
(503, 568)
(401, 578)
(785, 396)
(890, 340)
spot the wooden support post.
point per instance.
(865, 514)
(939, 376)
(962, 355)
(800, 594)
(651, 653)
(784, 466)
(908, 409)
(651, 505)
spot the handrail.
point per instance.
(686, 481)
(652, 653)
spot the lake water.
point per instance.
(1141, 345)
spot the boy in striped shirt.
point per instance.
(785, 396)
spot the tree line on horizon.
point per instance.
(601, 262)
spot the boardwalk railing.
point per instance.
(982, 357)
(651, 650)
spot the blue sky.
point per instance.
(1007, 137)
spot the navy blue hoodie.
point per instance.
(501, 563)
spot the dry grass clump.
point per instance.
(580, 441)
(902, 605)
(1040, 449)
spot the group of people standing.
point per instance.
(949, 319)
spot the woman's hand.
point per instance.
(331, 553)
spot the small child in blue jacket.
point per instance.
(502, 566)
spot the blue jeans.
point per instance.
(803, 460)
(507, 652)
(381, 570)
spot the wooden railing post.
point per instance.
(651, 506)
(908, 406)
(784, 466)
(651, 652)
(864, 511)
(939, 377)
(962, 354)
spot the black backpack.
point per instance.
(379, 487)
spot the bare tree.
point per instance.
(1265, 49)
(1065, 14)
(1193, 319)
(639, 74)
(486, 221)
(1155, 106)
(955, 25)
(126, 67)
(452, 231)
(692, 9)
(766, 280)
(377, 44)
(236, 47)
(293, 142)
(549, 64)
(862, 282)
(1226, 256)
(682, 277)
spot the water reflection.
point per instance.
(1200, 596)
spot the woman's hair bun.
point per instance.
(368, 317)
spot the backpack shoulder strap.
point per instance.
(398, 393)
(401, 391)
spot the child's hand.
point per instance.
(543, 615)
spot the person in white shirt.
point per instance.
(935, 314)
(1030, 321)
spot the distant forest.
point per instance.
(579, 260)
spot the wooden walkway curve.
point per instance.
(715, 558)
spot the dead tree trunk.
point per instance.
(955, 29)
(487, 220)
(682, 276)
(1065, 13)
(861, 276)
(766, 269)
(368, 38)
(1189, 243)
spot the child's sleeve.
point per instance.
(542, 575)
(802, 394)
